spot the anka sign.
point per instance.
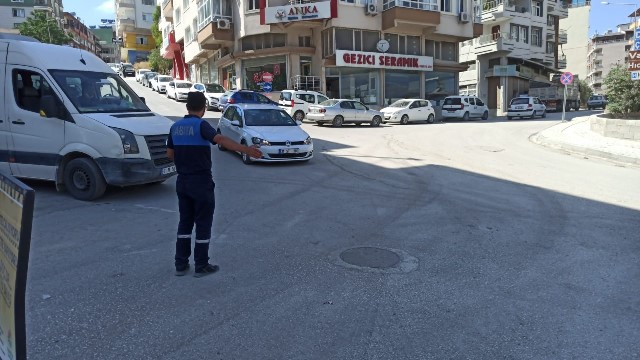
(383, 61)
(297, 12)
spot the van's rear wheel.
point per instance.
(83, 179)
(298, 116)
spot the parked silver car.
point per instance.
(342, 111)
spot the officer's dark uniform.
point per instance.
(190, 138)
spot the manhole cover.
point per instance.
(370, 257)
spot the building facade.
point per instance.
(15, 12)
(83, 37)
(520, 49)
(576, 25)
(105, 35)
(605, 52)
(373, 51)
(134, 19)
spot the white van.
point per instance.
(67, 117)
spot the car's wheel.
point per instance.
(604, 107)
(376, 121)
(83, 179)
(533, 115)
(246, 158)
(319, 123)
(465, 117)
(404, 120)
(485, 116)
(298, 115)
(431, 119)
(509, 117)
(337, 121)
(220, 147)
(544, 114)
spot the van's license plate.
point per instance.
(168, 170)
(288, 151)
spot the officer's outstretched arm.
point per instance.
(170, 154)
(229, 144)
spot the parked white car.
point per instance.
(140, 73)
(464, 107)
(296, 102)
(408, 110)
(526, 106)
(160, 83)
(279, 137)
(213, 93)
(178, 89)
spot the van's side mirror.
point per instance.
(143, 99)
(235, 123)
(48, 107)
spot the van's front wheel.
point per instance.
(83, 179)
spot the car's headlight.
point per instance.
(129, 143)
(308, 141)
(260, 141)
(396, 114)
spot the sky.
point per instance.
(603, 17)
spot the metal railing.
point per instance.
(41, 3)
(164, 3)
(493, 4)
(208, 14)
(431, 5)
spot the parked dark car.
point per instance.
(597, 102)
(243, 97)
(127, 70)
(146, 78)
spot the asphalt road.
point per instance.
(506, 250)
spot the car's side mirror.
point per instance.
(48, 107)
(143, 99)
(235, 123)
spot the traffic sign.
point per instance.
(566, 78)
(267, 87)
(637, 44)
(638, 33)
(635, 75)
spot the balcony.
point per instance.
(409, 15)
(126, 23)
(562, 37)
(560, 9)
(42, 5)
(194, 53)
(562, 63)
(167, 9)
(215, 27)
(497, 10)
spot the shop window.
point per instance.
(358, 40)
(263, 41)
(439, 85)
(536, 36)
(401, 44)
(256, 69)
(355, 83)
(253, 5)
(401, 85)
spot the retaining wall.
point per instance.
(616, 128)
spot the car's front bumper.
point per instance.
(125, 172)
(181, 96)
(280, 153)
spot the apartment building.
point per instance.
(520, 48)
(83, 37)
(376, 51)
(576, 26)
(134, 19)
(14, 12)
(105, 35)
(605, 52)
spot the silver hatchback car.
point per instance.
(343, 111)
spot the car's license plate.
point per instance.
(168, 170)
(520, 107)
(288, 151)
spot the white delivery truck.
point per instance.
(66, 116)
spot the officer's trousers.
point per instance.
(196, 202)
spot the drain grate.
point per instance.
(370, 257)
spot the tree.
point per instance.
(623, 93)
(156, 61)
(155, 29)
(585, 91)
(44, 28)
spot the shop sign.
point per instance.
(383, 61)
(297, 12)
(526, 72)
(504, 70)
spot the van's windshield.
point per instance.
(95, 92)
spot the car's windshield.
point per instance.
(267, 117)
(329, 102)
(164, 78)
(128, 67)
(400, 104)
(596, 98)
(214, 88)
(150, 74)
(520, 101)
(183, 85)
(95, 92)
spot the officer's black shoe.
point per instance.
(182, 271)
(206, 270)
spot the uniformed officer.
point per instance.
(188, 146)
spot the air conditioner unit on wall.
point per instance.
(371, 9)
(464, 17)
(224, 24)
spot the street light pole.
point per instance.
(635, 15)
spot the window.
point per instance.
(442, 50)
(185, 4)
(350, 39)
(17, 1)
(536, 36)
(142, 40)
(304, 41)
(551, 47)
(346, 105)
(30, 88)
(359, 106)
(18, 12)
(322, 99)
(327, 43)
(479, 102)
(16, 25)
(188, 35)
(306, 98)
(148, 2)
(401, 44)
(263, 41)
(537, 8)
(178, 15)
(147, 17)
(445, 6)
(520, 33)
(194, 28)
(253, 5)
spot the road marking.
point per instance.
(155, 208)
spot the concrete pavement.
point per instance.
(576, 137)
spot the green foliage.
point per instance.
(44, 28)
(623, 93)
(158, 63)
(155, 30)
(585, 92)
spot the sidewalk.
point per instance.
(576, 137)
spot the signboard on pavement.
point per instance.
(16, 215)
(566, 78)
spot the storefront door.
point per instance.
(333, 87)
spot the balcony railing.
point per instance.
(494, 4)
(211, 10)
(41, 3)
(164, 3)
(431, 5)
